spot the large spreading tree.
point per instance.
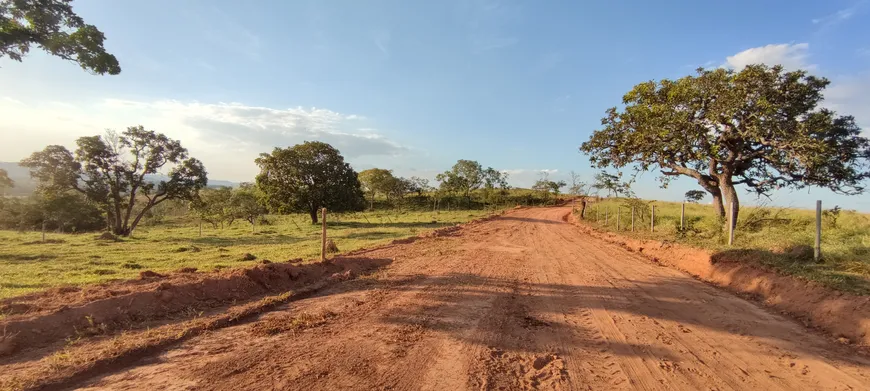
(52, 25)
(307, 177)
(760, 127)
(121, 173)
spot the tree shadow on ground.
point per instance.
(530, 220)
(400, 224)
(512, 315)
(224, 241)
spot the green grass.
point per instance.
(27, 264)
(779, 238)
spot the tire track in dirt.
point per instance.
(521, 302)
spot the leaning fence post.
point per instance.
(731, 224)
(817, 254)
(323, 235)
(652, 219)
(632, 219)
(682, 216)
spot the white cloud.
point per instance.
(839, 16)
(848, 96)
(790, 56)
(525, 177)
(226, 136)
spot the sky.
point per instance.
(415, 85)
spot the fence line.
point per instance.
(684, 226)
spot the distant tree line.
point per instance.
(108, 182)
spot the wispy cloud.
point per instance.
(381, 39)
(790, 56)
(848, 95)
(226, 136)
(489, 23)
(840, 16)
(225, 32)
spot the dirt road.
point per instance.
(524, 301)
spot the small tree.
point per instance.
(547, 187)
(377, 180)
(465, 177)
(760, 127)
(495, 185)
(611, 183)
(307, 177)
(419, 185)
(695, 196)
(245, 203)
(580, 190)
(53, 26)
(213, 205)
(113, 172)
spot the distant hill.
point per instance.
(24, 185)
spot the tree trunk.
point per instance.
(729, 193)
(711, 186)
(129, 231)
(717, 203)
(313, 213)
(583, 209)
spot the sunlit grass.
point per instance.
(27, 264)
(779, 238)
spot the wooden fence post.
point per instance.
(817, 254)
(632, 219)
(683, 216)
(606, 217)
(731, 224)
(617, 218)
(652, 219)
(200, 227)
(43, 230)
(323, 235)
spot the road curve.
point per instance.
(525, 301)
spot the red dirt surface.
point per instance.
(524, 301)
(839, 314)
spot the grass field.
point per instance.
(779, 238)
(27, 264)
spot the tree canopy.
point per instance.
(612, 183)
(760, 127)
(547, 186)
(307, 177)
(114, 171)
(694, 196)
(468, 175)
(52, 26)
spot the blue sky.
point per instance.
(415, 85)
